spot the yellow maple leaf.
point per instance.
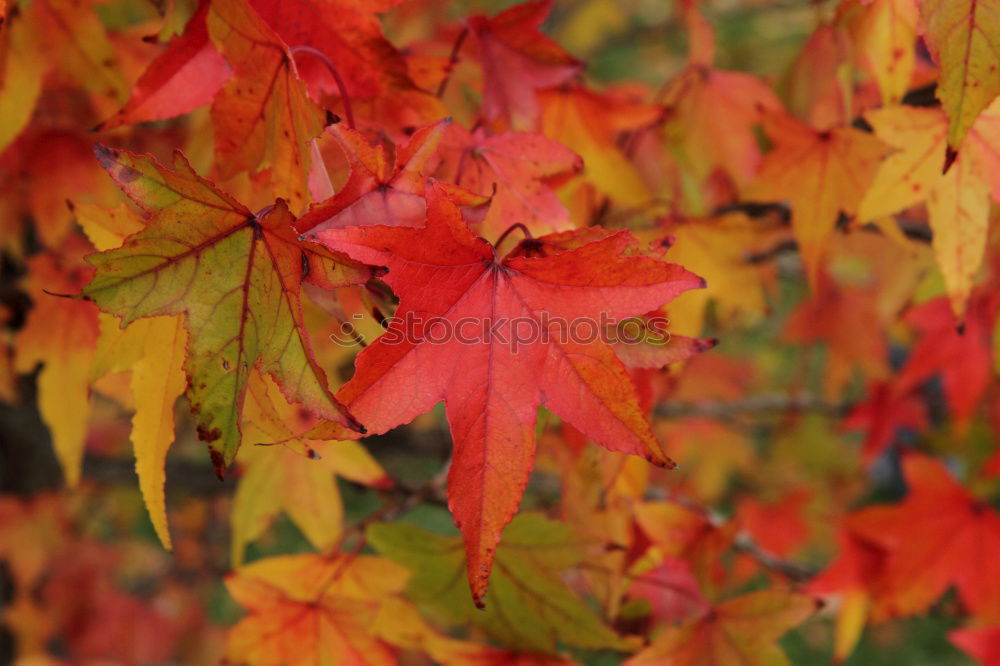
(297, 478)
(821, 174)
(309, 610)
(957, 201)
(964, 39)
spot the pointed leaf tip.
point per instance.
(218, 463)
(105, 156)
(950, 155)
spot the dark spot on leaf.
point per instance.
(225, 364)
(219, 463)
(207, 435)
(950, 155)
(128, 175)
(863, 125)
(705, 344)
(105, 156)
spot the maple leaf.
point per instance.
(682, 532)
(153, 350)
(520, 166)
(312, 610)
(531, 607)
(741, 630)
(76, 40)
(263, 116)
(699, 100)
(957, 201)
(492, 386)
(936, 512)
(518, 60)
(719, 247)
(60, 333)
(964, 39)
(961, 357)
(297, 478)
(191, 70)
(820, 173)
(379, 190)
(590, 122)
(235, 276)
(882, 413)
(348, 33)
(188, 74)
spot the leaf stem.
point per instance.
(516, 225)
(262, 213)
(452, 61)
(341, 86)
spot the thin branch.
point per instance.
(790, 570)
(750, 405)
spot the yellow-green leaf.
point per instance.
(529, 606)
(237, 278)
(964, 39)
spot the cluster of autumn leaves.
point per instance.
(322, 178)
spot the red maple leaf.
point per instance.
(940, 535)
(382, 188)
(519, 167)
(517, 60)
(494, 338)
(882, 413)
(962, 356)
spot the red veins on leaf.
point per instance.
(517, 60)
(472, 329)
